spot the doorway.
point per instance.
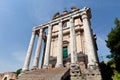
(65, 52)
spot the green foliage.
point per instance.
(108, 70)
(116, 76)
(113, 43)
(18, 72)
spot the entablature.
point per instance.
(73, 14)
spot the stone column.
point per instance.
(38, 48)
(89, 45)
(60, 46)
(29, 53)
(48, 47)
(73, 42)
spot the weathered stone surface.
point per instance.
(8, 76)
(70, 45)
(46, 74)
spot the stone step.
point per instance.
(46, 74)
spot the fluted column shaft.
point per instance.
(48, 47)
(60, 46)
(38, 48)
(89, 45)
(29, 52)
(73, 42)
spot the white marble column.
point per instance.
(73, 42)
(38, 48)
(89, 45)
(48, 47)
(60, 46)
(29, 52)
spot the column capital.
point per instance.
(84, 15)
(60, 21)
(50, 26)
(71, 20)
(33, 32)
(41, 29)
(60, 25)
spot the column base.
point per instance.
(35, 68)
(45, 66)
(92, 66)
(59, 65)
(75, 72)
(24, 70)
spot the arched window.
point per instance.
(5, 78)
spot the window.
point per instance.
(64, 24)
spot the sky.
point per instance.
(18, 17)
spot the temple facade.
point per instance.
(69, 43)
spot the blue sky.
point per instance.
(18, 17)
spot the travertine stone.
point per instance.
(8, 76)
(29, 52)
(89, 45)
(38, 48)
(73, 42)
(77, 38)
(60, 46)
(48, 47)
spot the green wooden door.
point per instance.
(65, 52)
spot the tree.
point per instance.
(105, 69)
(18, 71)
(113, 43)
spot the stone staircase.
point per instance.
(75, 72)
(46, 74)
